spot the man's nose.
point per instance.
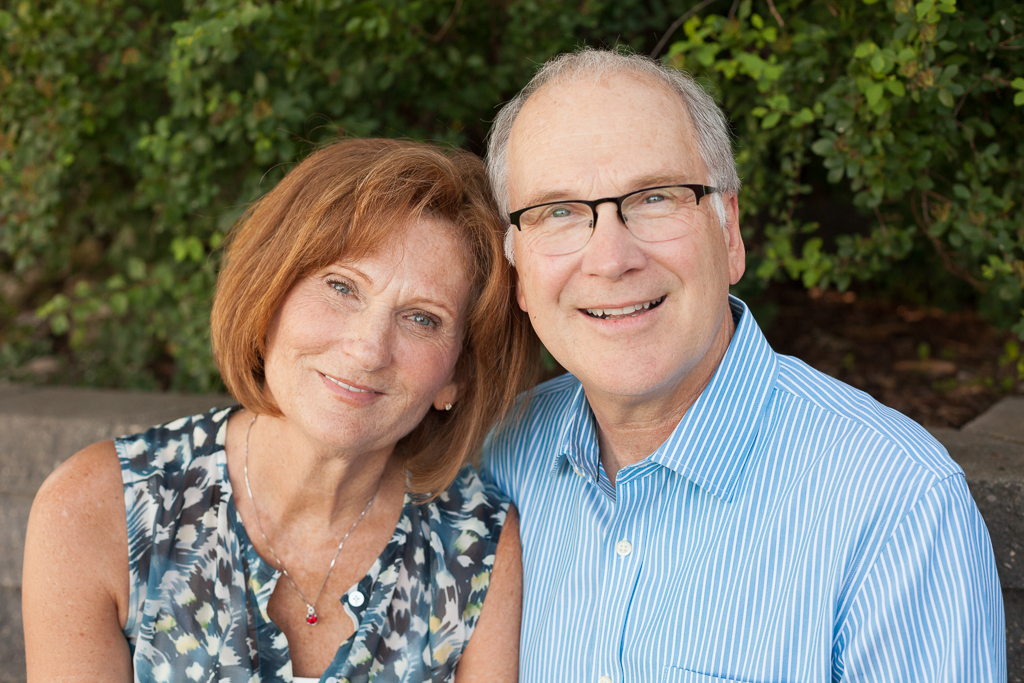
(368, 339)
(612, 250)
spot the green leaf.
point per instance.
(771, 120)
(1018, 99)
(822, 146)
(946, 98)
(119, 303)
(863, 50)
(896, 87)
(878, 62)
(873, 92)
(59, 323)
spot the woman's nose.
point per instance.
(368, 340)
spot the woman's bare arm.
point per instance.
(493, 651)
(75, 580)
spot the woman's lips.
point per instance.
(354, 388)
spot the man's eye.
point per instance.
(654, 198)
(420, 319)
(560, 212)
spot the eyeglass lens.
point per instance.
(655, 215)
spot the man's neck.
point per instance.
(629, 430)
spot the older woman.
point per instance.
(328, 528)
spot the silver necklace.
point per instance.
(311, 616)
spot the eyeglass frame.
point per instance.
(699, 191)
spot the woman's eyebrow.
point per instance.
(353, 269)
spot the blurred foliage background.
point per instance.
(881, 143)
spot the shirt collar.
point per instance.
(711, 443)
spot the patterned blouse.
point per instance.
(199, 591)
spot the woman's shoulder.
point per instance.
(172, 447)
(470, 497)
(76, 529)
(88, 480)
(463, 523)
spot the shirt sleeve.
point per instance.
(495, 465)
(930, 608)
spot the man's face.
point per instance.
(593, 139)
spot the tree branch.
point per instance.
(676, 24)
(447, 22)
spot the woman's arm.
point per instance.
(493, 650)
(75, 581)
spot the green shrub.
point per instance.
(133, 133)
(909, 112)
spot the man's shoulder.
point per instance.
(535, 422)
(864, 419)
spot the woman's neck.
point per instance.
(298, 483)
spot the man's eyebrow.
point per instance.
(637, 184)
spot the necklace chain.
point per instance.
(311, 616)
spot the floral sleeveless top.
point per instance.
(199, 591)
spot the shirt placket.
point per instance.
(622, 553)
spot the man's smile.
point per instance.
(624, 312)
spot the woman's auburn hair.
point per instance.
(345, 201)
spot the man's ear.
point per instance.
(734, 239)
(520, 295)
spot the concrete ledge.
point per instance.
(1004, 421)
(40, 427)
(12, 642)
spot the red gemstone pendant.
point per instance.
(311, 617)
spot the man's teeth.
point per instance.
(626, 311)
(342, 384)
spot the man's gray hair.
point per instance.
(709, 123)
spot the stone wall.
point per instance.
(41, 426)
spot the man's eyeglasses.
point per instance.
(653, 214)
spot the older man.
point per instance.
(695, 507)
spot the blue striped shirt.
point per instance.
(790, 529)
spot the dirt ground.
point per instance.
(941, 369)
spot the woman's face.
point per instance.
(359, 351)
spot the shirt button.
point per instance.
(604, 679)
(623, 548)
(356, 599)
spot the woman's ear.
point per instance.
(446, 398)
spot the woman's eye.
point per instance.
(423, 320)
(341, 287)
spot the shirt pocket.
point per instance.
(674, 674)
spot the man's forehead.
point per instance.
(608, 130)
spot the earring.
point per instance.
(447, 406)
